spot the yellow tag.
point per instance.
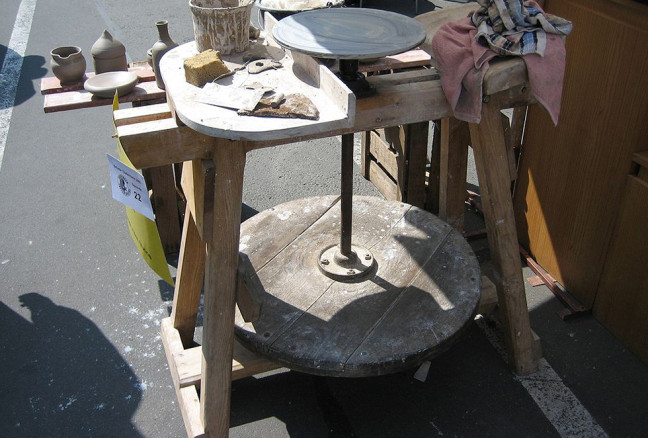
(143, 231)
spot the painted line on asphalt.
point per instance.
(558, 403)
(12, 66)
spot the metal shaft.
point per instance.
(346, 201)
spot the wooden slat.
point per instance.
(143, 91)
(190, 408)
(434, 174)
(416, 142)
(405, 77)
(140, 114)
(455, 139)
(165, 204)
(383, 182)
(189, 281)
(198, 186)
(412, 58)
(380, 149)
(162, 142)
(244, 364)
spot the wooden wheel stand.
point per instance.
(214, 159)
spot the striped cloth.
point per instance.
(513, 27)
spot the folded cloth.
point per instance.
(464, 48)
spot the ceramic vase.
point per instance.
(163, 45)
(108, 54)
(68, 64)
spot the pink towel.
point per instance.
(463, 62)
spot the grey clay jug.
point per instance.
(163, 45)
(68, 64)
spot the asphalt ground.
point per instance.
(80, 350)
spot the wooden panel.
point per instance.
(622, 300)
(572, 176)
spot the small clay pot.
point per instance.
(109, 54)
(68, 64)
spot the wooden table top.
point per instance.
(221, 122)
(423, 294)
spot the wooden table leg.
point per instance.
(455, 138)
(166, 206)
(495, 188)
(220, 287)
(189, 280)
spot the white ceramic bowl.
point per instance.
(105, 84)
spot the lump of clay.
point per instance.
(204, 67)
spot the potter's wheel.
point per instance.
(349, 33)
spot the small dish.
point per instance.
(105, 84)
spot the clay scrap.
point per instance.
(293, 106)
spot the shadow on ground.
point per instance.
(61, 377)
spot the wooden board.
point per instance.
(412, 58)
(572, 177)
(51, 84)
(423, 293)
(622, 300)
(77, 99)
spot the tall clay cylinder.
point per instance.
(163, 45)
(222, 25)
(108, 54)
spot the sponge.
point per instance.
(204, 67)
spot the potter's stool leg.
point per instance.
(189, 280)
(495, 188)
(220, 288)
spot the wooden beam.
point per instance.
(455, 138)
(220, 288)
(189, 281)
(487, 139)
(161, 142)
